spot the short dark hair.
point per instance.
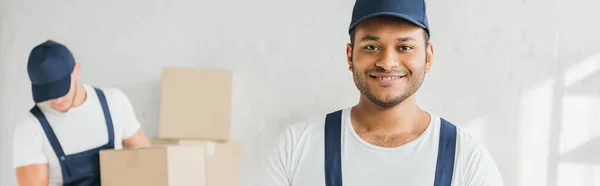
(353, 33)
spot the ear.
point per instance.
(76, 69)
(349, 56)
(429, 57)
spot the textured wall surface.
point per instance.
(522, 76)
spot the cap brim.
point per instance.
(50, 91)
(391, 14)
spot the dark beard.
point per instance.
(414, 83)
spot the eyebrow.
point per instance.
(375, 38)
(370, 38)
(406, 39)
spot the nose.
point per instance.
(389, 60)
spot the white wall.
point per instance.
(512, 72)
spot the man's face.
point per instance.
(64, 103)
(389, 59)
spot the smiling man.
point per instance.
(386, 139)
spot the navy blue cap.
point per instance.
(413, 11)
(50, 66)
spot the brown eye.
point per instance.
(405, 48)
(370, 47)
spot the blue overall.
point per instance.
(333, 159)
(83, 168)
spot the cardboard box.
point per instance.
(153, 166)
(222, 159)
(195, 103)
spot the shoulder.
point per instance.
(306, 134)
(474, 160)
(313, 124)
(27, 125)
(307, 129)
(28, 142)
(468, 145)
(303, 134)
(113, 92)
(465, 143)
(113, 95)
(316, 123)
(28, 131)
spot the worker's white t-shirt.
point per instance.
(298, 159)
(79, 129)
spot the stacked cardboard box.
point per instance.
(193, 146)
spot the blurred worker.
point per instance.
(58, 142)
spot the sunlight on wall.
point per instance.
(582, 70)
(596, 176)
(534, 134)
(571, 174)
(580, 123)
(579, 139)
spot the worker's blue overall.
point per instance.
(83, 168)
(333, 159)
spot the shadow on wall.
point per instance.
(585, 154)
(530, 91)
(556, 126)
(575, 126)
(551, 130)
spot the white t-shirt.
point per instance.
(79, 129)
(298, 159)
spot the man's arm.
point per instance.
(133, 135)
(138, 139)
(29, 160)
(32, 175)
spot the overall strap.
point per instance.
(58, 150)
(446, 152)
(333, 160)
(107, 116)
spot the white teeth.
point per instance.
(389, 78)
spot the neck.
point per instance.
(406, 117)
(80, 96)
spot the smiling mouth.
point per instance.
(386, 77)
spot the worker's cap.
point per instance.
(50, 66)
(413, 11)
